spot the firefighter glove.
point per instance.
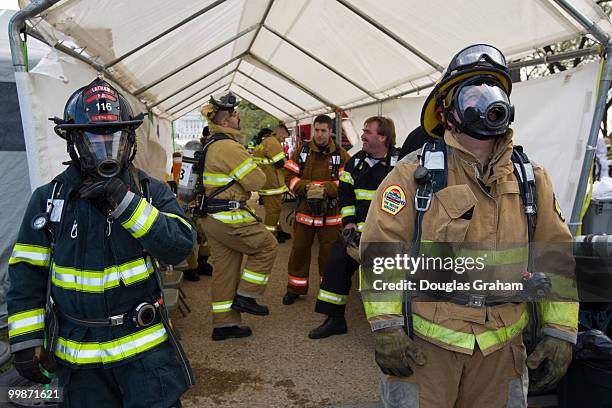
(108, 192)
(556, 354)
(27, 362)
(315, 192)
(395, 351)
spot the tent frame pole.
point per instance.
(246, 99)
(17, 23)
(198, 99)
(228, 73)
(295, 83)
(271, 104)
(166, 32)
(196, 59)
(321, 62)
(271, 90)
(391, 35)
(206, 75)
(604, 85)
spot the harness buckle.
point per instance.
(422, 196)
(475, 300)
(116, 320)
(233, 205)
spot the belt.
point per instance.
(143, 315)
(472, 299)
(215, 206)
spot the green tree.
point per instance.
(253, 119)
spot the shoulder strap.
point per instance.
(433, 158)
(523, 170)
(303, 157)
(212, 139)
(336, 159)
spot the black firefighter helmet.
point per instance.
(100, 129)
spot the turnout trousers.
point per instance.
(200, 248)
(228, 244)
(299, 260)
(336, 283)
(154, 381)
(457, 380)
(272, 205)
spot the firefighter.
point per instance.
(313, 176)
(465, 348)
(358, 182)
(87, 254)
(231, 227)
(270, 157)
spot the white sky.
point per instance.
(9, 5)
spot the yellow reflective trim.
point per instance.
(504, 334)
(243, 169)
(255, 277)
(440, 333)
(273, 191)
(148, 223)
(33, 254)
(26, 322)
(111, 351)
(560, 313)
(233, 217)
(181, 219)
(331, 297)
(362, 194)
(347, 211)
(98, 281)
(215, 179)
(140, 209)
(346, 177)
(278, 157)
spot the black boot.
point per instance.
(204, 268)
(332, 325)
(222, 333)
(249, 305)
(290, 298)
(282, 236)
(191, 275)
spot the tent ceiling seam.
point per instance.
(202, 89)
(197, 59)
(209, 73)
(319, 61)
(268, 102)
(199, 99)
(168, 31)
(246, 99)
(293, 81)
(271, 90)
(391, 35)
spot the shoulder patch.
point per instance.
(393, 199)
(557, 208)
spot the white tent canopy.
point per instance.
(315, 55)
(298, 58)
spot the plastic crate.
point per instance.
(598, 218)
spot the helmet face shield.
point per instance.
(104, 154)
(483, 108)
(478, 55)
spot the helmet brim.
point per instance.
(133, 124)
(429, 119)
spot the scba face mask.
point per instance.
(103, 153)
(480, 108)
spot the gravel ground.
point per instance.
(279, 366)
